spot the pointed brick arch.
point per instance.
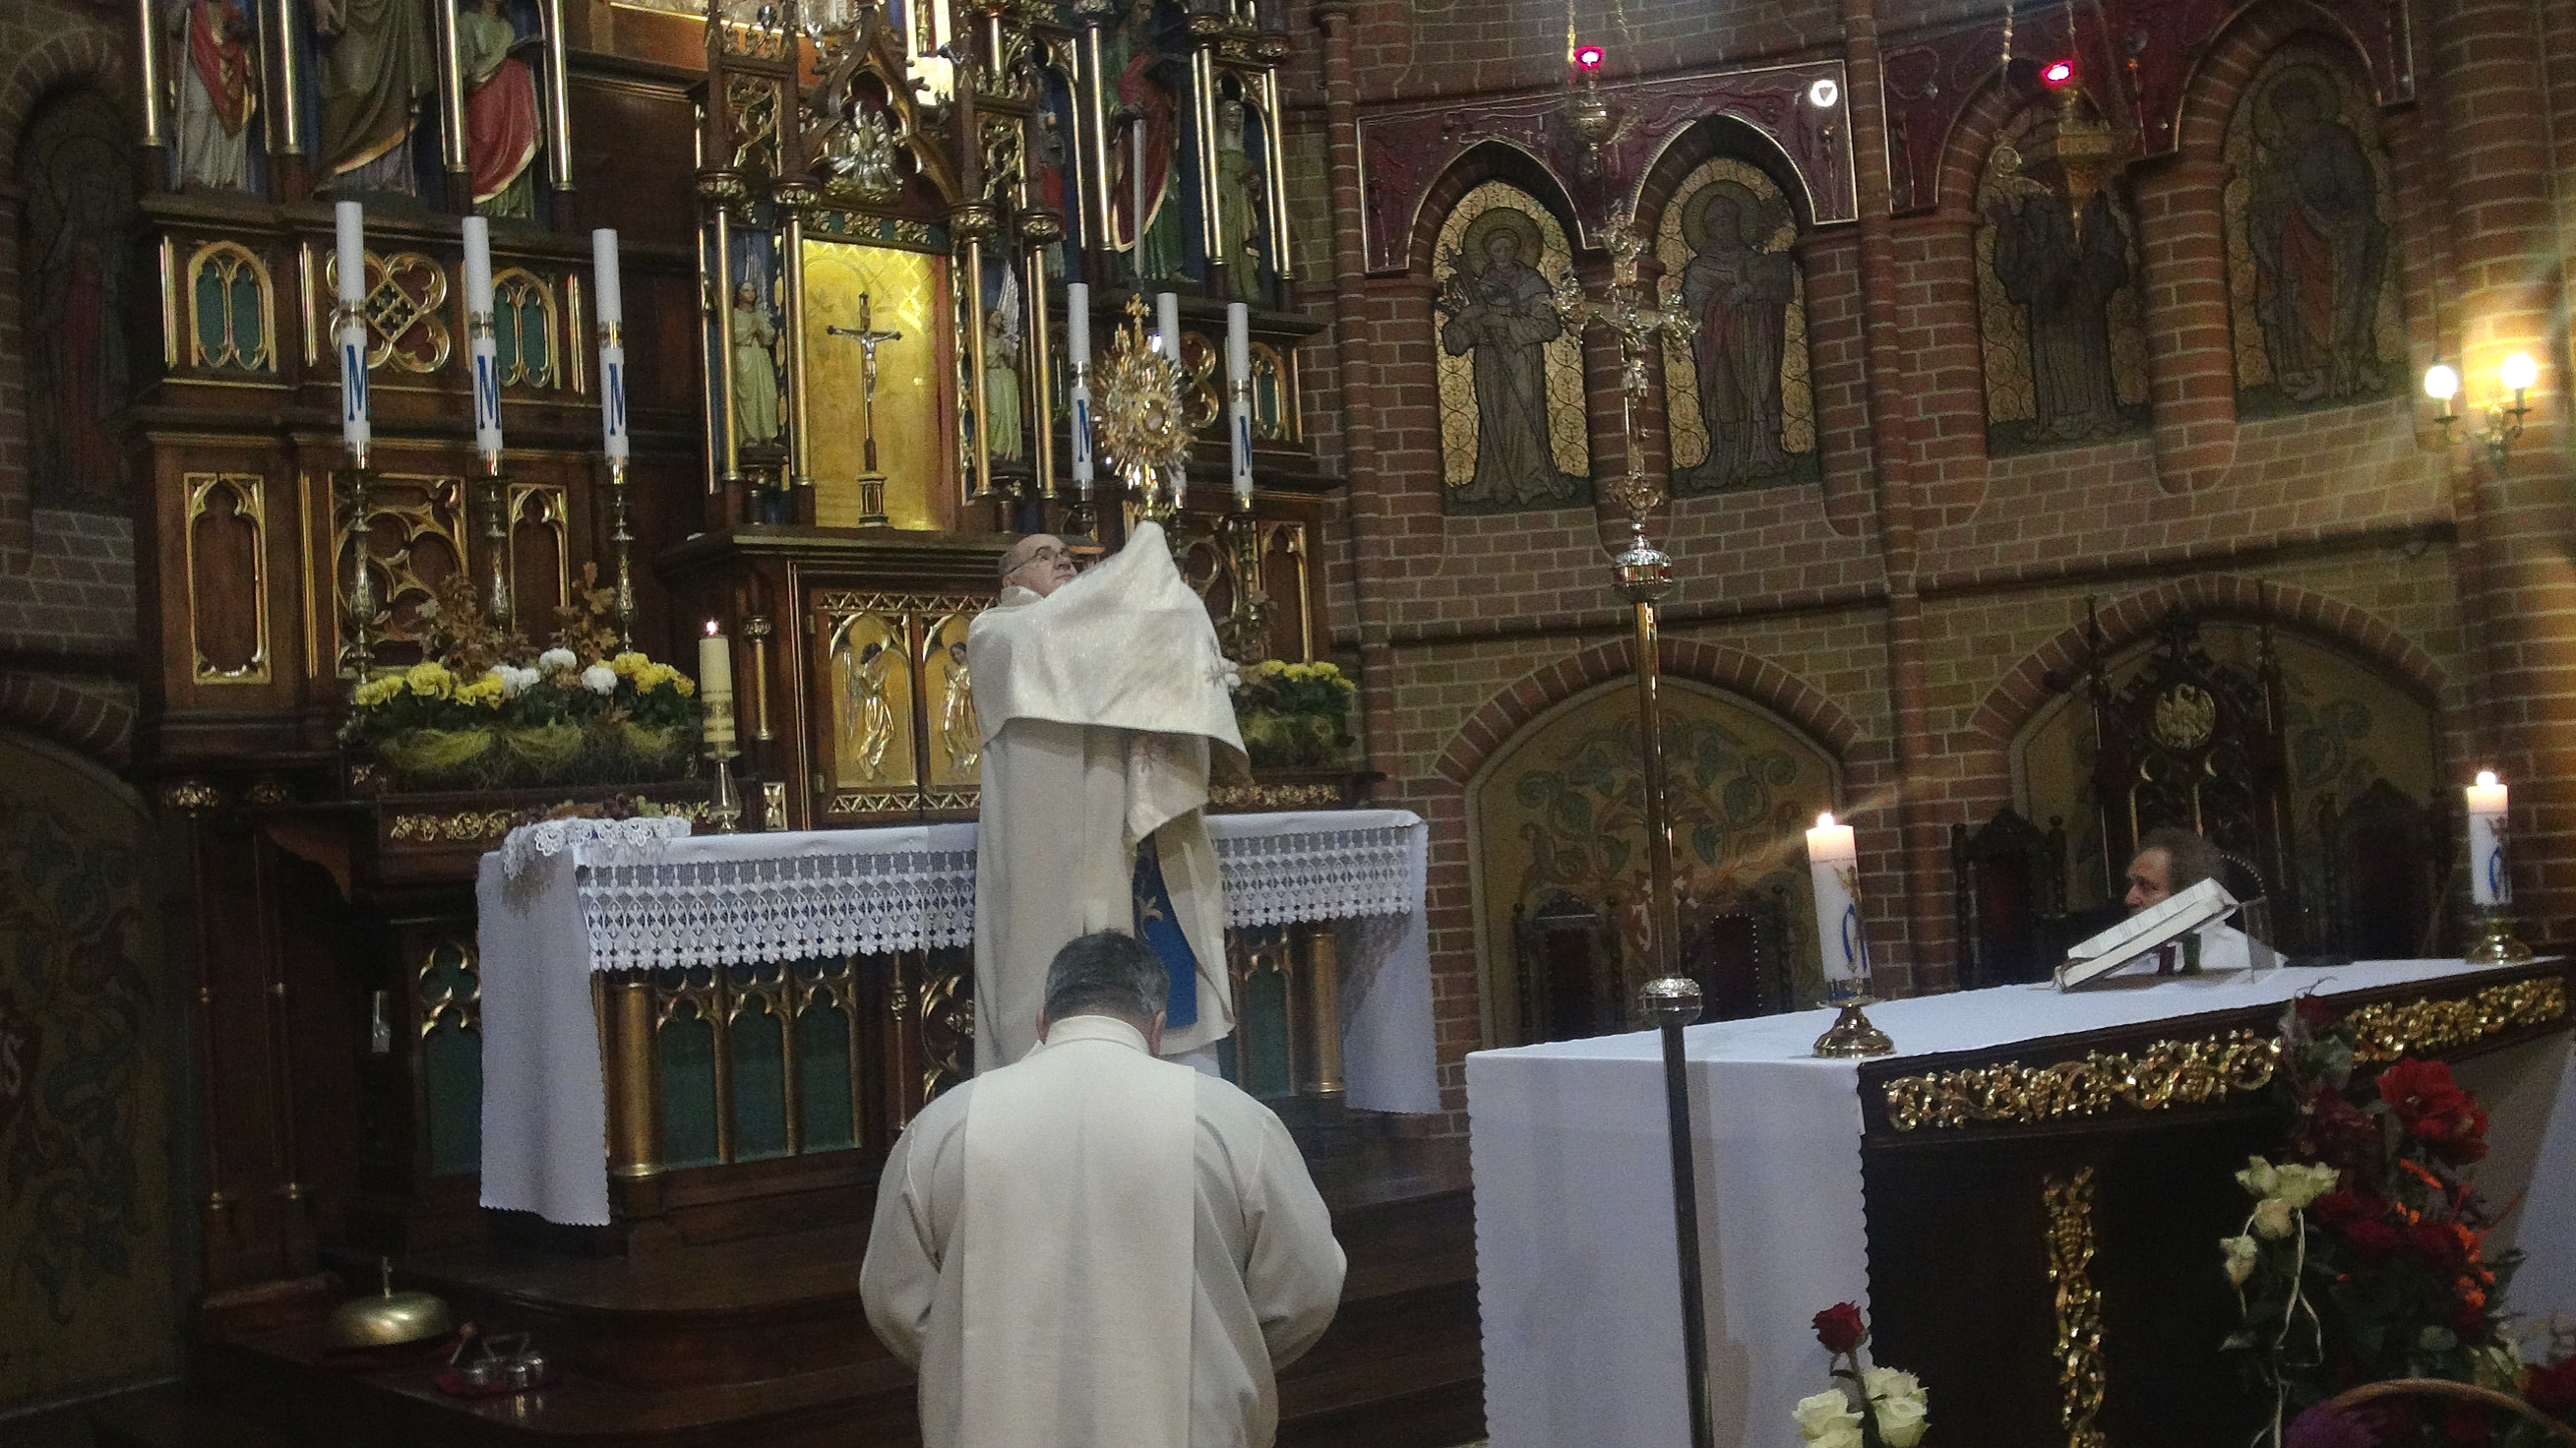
(1491, 161)
(2211, 91)
(2022, 693)
(94, 725)
(82, 51)
(1760, 680)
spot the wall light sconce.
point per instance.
(2504, 424)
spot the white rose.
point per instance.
(2259, 1179)
(554, 659)
(2300, 1185)
(1901, 1421)
(599, 679)
(1827, 1418)
(2274, 1219)
(523, 679)
(2241, 1254)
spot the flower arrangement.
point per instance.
(483, 709)
(1293, 715)
(1898, 1407)
(2365, 1260)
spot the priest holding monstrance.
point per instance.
(1100, 697)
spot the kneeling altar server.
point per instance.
(1094, 1248)
(1099, 698)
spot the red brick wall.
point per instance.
(2353, 526)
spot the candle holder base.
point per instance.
(872, 509)
(2496, 943)
(1082, 520)
(724, 801)
(1852, 1033)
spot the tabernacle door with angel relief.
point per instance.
(892, 713)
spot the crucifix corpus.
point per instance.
(871, 481)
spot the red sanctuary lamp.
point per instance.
(1593, 118)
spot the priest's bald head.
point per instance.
(1039, 563)
(1107, 973)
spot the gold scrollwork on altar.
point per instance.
(2082, 1378)
(230, 321)
(2161, 1075)
(405, 307)
(464, 827)
(895, 709)
(451, 987)
(2390, 1029)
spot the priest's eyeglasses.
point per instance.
(1047, 556)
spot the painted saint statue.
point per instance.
(2320, 249)
(379, 61)
(2061, 264)
(755, 370)
(501, 125)
(218, 92)
(1739, 294)
(1130, 53)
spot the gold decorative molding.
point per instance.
(835, 601)
(450, 978)
(2390, 1029)
(465, 827)
(240, 342)
(1257, 795)
(248, 492)
(2081, 1377)
(192, 796)
(525, 295)
(890, 800)
(2161, 1075)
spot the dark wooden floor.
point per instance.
(762, 1342)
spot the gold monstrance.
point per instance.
(1141, 426)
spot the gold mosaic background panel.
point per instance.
(1778, 233)
(1567, 438)
(902, 288)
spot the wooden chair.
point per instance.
(1567, 956)
(1737, 948)
(2008, 883)
(2383, 862)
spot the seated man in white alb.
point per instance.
(2171, 859)
(1099, 698)
(1096, 1249)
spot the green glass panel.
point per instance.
(1261, 1031)
(759, 1086)
(245, 307)
(453, 1058)
(686, 1061)
(210, 309)
(823, 1076)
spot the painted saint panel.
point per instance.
(1741, 407)
(2311, 253)
(79, 286)
(1511, 373)
(956, 739)
(869, 674)
(2057, 286)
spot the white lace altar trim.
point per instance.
(631, 841)
(900, 895)
(1316, 875)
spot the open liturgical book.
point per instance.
(2142, 934)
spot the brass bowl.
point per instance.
(388, 1318)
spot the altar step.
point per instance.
(761, 1343)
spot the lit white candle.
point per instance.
(1238, 391)
(1077, 342)
(612, 342)
(481, 345)
(1167, 313)
(1833, 867)
(1136, 216)
(350, 339)
(2490, 883)
(715, 684)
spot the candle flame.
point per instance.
(711, 628)
(1825, 821)
(2486, 779)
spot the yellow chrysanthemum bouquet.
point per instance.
(486, 709)
(1294, 716)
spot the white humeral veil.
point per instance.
(1077, 1298)
(1098, 705)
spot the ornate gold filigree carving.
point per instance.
(1275, 796)
(465, 827)
(2163, 1074)
(245, 498)
(450, 981)
(2390, 1029)
(192, 796)
(2081, 1378)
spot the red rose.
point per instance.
(2337, 1133)
(2437, 1244)
(2373, 1240)
(2551, 1389)
(2435, 1110)
(2313, 1011)
(2339, 1210)
(1839, 1328)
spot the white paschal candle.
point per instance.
(2490, 883)
(1833, 867)
(1167, 317)
(1077, 343)
(481, 344)
(350, 340)
(715, 684)
(1238, 391)
(612, 342)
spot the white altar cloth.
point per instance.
(562, 900)
(1575, 1263)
